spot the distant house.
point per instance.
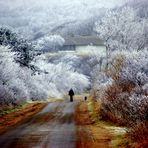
(81, 42)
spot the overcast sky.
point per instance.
(102, 3)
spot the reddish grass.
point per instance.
(13, 119)
(139, 132)
(89, 134)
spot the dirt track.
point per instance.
(53, 127)
(88, 134)
(59, 125)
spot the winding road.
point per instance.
(53, 127)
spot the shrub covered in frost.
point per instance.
(21, 47)
(124, 96)
(18, 84)
(50, 43)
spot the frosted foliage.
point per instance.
(18, 84)
(123, 30)
(102, 88)
(87, 64)
(136, 68)
(125, 94)
(71, 59)
(145, 88)
(12, 88)
(36, 18)
(64, 77)
(132, 109)
(122, 86)
(50, 43)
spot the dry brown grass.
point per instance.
(120, 103)
(115, 68)
(82, 116)
(118, 111)
(89, 133)
(139, 134)
(20, 116)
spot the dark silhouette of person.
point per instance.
(85, 98)
(71, 94)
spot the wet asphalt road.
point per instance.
(53, 127)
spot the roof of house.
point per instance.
(83, 40)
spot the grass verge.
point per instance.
(11, 118)
(118, 135)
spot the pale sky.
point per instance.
(102, 3)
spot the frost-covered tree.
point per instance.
(64, 77)
(123, 30)
(50, 43)
(12, 89)
(123, 89)
(21, 47)
(141, 6)
(17, 84)
(35, 19)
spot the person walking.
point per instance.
(71, 94)
(85, 98)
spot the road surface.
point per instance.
(53, 127)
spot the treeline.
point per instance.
(27, 75)
(122, 85)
